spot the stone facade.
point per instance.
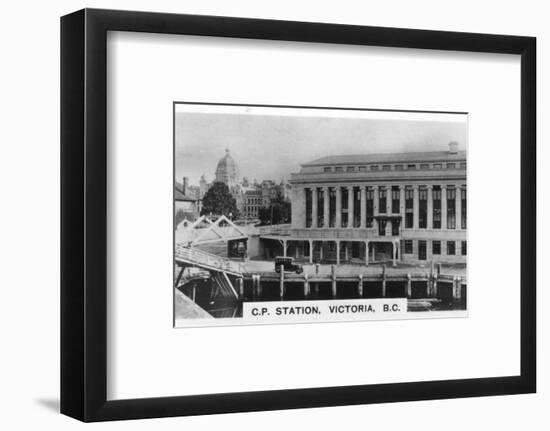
(400, 206)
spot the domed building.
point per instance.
(227, 171)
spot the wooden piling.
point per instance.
(360, 286)
(254, 288)
(241, 287)
(457, 294)
(384, 280)
(430, 282)
(281, 281)
(434, 285)
(306, 286)
(409, 286)
(333, 277)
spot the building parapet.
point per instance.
(407, 176)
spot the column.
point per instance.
(430, 207)
(394, 253)
(363, 204)
(375, 200)
(350, 206)
(415, 207)
(337, 252)
(458, 201)
(443, 207)
(314, 207)
(326, 211)
(400, 255)
(310, 251)
(388, 200)
(338, 223)
(284, 247)
(366, 253)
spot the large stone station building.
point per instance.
(379, 207)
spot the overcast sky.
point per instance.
(273, 146)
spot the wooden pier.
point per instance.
(287, 280)
(236, 280)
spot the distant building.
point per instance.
(249, 196)
(186, 200)
(253, 201)
(227, 171)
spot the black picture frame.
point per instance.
(84, 214)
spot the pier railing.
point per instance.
(207, 260)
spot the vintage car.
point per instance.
(288, 265)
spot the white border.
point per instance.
(148, 358)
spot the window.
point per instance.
(386, 167)
(437, 165)
(338, 169)
(382, 200)
(332, 207)
(374, 168)
(463, 248)
(423, 208)
(409, 207)
(451, 165)
(422, 255)
(411, 167)
(395, 227)
(462, 165)
(357, 207)
(451, 207)
(308, 207)
(320, 208)
(370, 206)
(327, 169)
(408, 246)
(395, 200)
(344, 206)
(350, 169)
(451, 248)
(436, 247)
(463, 210)
(425, 166)
(436, 198)
(382, 227)
(306, 248)
(398, 167)
(362, 168)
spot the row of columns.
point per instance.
(388, 209)
(395, 249)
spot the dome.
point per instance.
(226, 171)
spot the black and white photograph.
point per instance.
(289, 214)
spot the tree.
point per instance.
(277, 212)
(218, 200)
